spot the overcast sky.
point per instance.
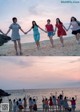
(39, 10)
(39, 72)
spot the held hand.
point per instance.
(25, 33)
(66, 29)
(5, 34)
(46, 32)
(54, 33)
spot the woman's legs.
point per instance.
(79, 35)
(20, 48)
(62, 41)
(24, 108)
(15, 46)
(78, 38)
(52, 42)
(37, 40)
(38, 44)
(50, 108)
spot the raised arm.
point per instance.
(63, 93)
(56, 94)
(75, 97)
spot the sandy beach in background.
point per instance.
(50, 111)
(46, 111)
(29, 49)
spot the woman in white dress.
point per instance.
(15, 37)
(75, 28)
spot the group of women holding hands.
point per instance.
(49, 29)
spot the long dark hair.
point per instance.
(74, 19)
(59, 20)
(33, 24)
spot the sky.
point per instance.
(39, 10)
(39, 72)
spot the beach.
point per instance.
(49, 111)
(71, 48)
(43, 111)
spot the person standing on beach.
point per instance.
(51, 104)
(15, 27)
(46, 105)
(10, 105)
(20, 105)
(31, 104)
(43, 104)
(73, 103)
(14, 106)
(34, 105)
(75, 28)
(25, 104)
(17, 106)
(54, 102)
(65, 104)
(50, 31)
(36, 33)
(61, 30)
(60, 102)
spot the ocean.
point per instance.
(39, 93)
(43, 36)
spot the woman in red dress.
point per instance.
(51, 103)
(61, 30)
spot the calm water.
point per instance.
(38, 93)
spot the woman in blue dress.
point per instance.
(36, 33)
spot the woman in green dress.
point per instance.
(36, 33)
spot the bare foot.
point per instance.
(21, 53)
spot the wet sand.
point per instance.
(71, 48)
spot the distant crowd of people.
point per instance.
(60, 103)
(21, 105)
(49, 29)
(54, 103)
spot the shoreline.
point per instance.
(71, 48)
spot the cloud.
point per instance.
(72, 83)
(33, 10)
(39, 71)
(39, 10)
(21, 62)
(74, 61)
